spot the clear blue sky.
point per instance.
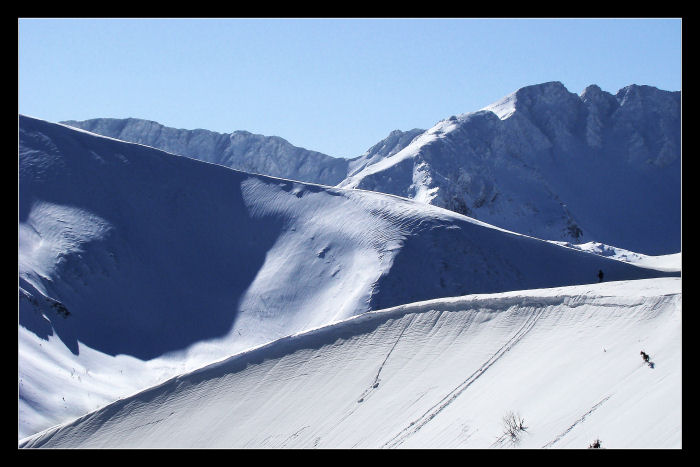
(336, 86)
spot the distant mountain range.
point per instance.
(542, 161)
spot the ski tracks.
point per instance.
(582, 418)
(431, 413)
(375, 383)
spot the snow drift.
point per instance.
(136, 265)
(436, 374)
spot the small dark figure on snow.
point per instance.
(600, 275)
(645, 356)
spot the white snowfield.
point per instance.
(435, 374)
(136, 266)
(668, 263)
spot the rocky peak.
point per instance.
(598, 100)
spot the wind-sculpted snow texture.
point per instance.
(436, 374)
(136, 265)
(549, 163)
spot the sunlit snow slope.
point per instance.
(136, 265)
(436, 374)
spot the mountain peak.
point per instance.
(636, 93)
(549, 86)
(593, 92)
(592, 88)
(598, 101)
(553, 142)
(545, 93)
(549, 92)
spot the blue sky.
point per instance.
(337, 86)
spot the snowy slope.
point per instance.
(670, 263)
(548, 163)
(241, 150)
(136, 265)
(395, 142)
(437, 374)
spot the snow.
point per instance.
(503, 108)
(541, 161)
(551, 164)
(40, 253)
(670, 263)
(406, 153)
(437, 374)
(449, 278)
(396, 141)
(136, 265)
(240, 150)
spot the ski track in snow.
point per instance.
(419, 423)
(583, 417)
(375, 383)
(407, 333)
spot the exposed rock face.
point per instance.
(548, 163)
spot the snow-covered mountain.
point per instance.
(136, 265)
(437, 374)
(395, 142)
(241, 150)
(542, 161)
(549, 163)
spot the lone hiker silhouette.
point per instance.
(645, 356)
(600, 275)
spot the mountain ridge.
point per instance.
(548, 163)
(553, 164)
(241, 149)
